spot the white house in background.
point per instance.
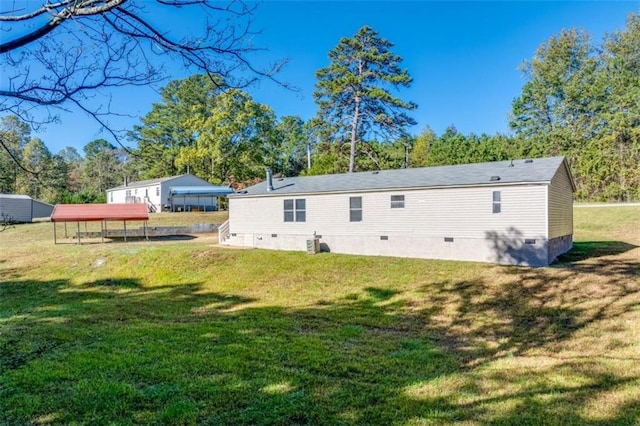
(176, 193)
(22, 208)
(507, 212)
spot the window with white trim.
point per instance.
(355, 209)
(497, 199)
(295, 210)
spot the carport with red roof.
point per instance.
(102, 213)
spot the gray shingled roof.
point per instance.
(539, 170)
(143, 183)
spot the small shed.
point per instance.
(176, 193)
(508, 212)
(102, 213)
(15, 208)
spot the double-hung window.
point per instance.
(496, 202)
(355, 209)
(397, 201)
(295, 210)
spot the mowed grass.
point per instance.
(186, 332)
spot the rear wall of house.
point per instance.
(448, 223)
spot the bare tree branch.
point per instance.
(81, 49)
(69, 10)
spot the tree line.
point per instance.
(580, 99)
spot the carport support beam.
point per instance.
(125, 230)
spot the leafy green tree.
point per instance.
(290, 157)
(165, 130)
(619, 148)
(56, 54)
(328, 159)
(102, 168)
(73, 163)
(353, 93)
(581, 100)
(14, 135)
(419, 155)
(235, 139)
(560, 101)
(36, 158)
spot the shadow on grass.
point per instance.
(584, 250)
(115, 351)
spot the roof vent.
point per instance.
(269, 180)
(511, 164)
(375, 172)
(494, 178)
(528, 161)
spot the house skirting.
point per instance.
(558, 246)
(499, 249)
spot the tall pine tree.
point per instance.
(353, 92)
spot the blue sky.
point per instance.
(463, 56)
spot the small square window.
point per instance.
(397, 201)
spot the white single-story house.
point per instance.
(176, 193)
(506, 212)
(22, 209)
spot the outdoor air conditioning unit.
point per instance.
(313, 245)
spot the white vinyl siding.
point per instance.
(450, 212)
(157, 193)
(560, 205)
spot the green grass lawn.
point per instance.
(186, 332)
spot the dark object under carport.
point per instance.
(102, 213)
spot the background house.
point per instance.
(176, 193)
(509, 212)
(22, 208)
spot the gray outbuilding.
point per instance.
(506, 212)
(16, 208)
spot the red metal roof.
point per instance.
(99, 212)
